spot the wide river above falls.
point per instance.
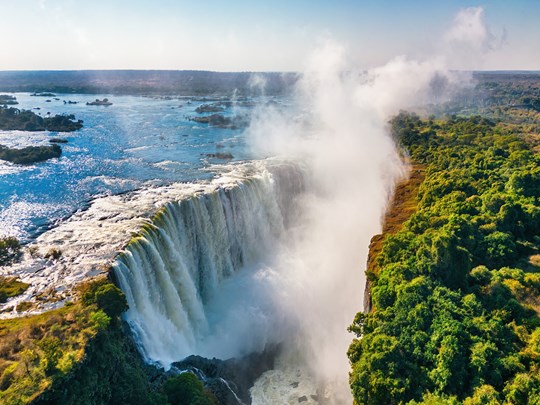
(135, 142)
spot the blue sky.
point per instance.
(239, 35)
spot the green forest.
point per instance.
(12, 118)
(456, 291)
(454, 282)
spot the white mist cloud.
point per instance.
(469, 28)
(469, 40)
(337, 126)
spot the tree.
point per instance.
(10, 250)
(111, 300)
(186, 389)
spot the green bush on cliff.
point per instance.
(11, 287)
(186, 389)
(457, 294)
(107, 297)
(10, 250)
(74, 355)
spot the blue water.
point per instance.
(136, 142)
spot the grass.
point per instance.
(11, 287)
(39, 349)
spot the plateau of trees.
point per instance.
(456, 291)
(25, 120)
(30, 154)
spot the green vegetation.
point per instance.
(187, 389)
(24, 120)
(10, 250)
(513, 98)
(144, 82)
(83, 354)
(456, 288)
(30, 154)
(11, 287)
(6, 99)
(74, 355)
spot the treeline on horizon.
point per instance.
(147, 82)
(456, 291)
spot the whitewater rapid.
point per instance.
(90, 239)
(195, 278)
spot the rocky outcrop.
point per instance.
(230, 380)
(6, 99)
(220, 121)
(209, 108)
(105, 102)
(30, 154)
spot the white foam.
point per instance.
(90, 240)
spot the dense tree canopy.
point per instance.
(456, 290)
(25, 120)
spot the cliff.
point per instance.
(401, 207)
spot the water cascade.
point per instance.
(185, 268)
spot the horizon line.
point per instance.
(240, 71)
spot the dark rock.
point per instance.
(303, 398)
(58, 140)
(6, 99)
(220, 155)
(44, 94)
(30, 154)
(209, 108)
(220, 121)
(105, 102)
(228, 379)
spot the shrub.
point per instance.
(10, 250)
(53, 254)
(186, 389)
(111, 300)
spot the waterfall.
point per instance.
(178, 263)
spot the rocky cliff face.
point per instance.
(402, 206)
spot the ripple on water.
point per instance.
(19, 216)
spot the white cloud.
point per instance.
(469, 28)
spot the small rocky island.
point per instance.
(13, 119)
(25, 120)
(30, 154)
(6, 99)
(43, 94)
(104, 102)
(221, 121)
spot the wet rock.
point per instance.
(58, 140)
(220, 121)
(220, 155)
(43, 94)
(230, 380)
(105, 102)
(209, 108)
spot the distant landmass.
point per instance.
(145, 82)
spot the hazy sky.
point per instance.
(242, 35)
